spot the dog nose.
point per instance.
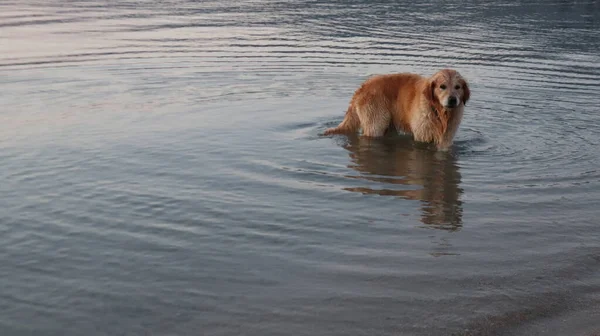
(452, 101)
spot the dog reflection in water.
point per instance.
(400, 168)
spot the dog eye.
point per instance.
(457, 87)
(443, 87)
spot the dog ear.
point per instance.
(429, 94)
(466, 92)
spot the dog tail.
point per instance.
(348, 125)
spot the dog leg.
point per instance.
(447, 138)
(374, 120)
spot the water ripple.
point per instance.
(164, 169)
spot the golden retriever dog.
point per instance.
(430, 109)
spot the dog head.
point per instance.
(447, 90)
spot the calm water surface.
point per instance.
(163, 171)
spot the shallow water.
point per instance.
(163, 170)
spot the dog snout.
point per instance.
(452, 101)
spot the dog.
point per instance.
(430, 109)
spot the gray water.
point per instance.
(163, 170)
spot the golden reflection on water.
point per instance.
(395, 163)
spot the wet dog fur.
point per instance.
(430, 109)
